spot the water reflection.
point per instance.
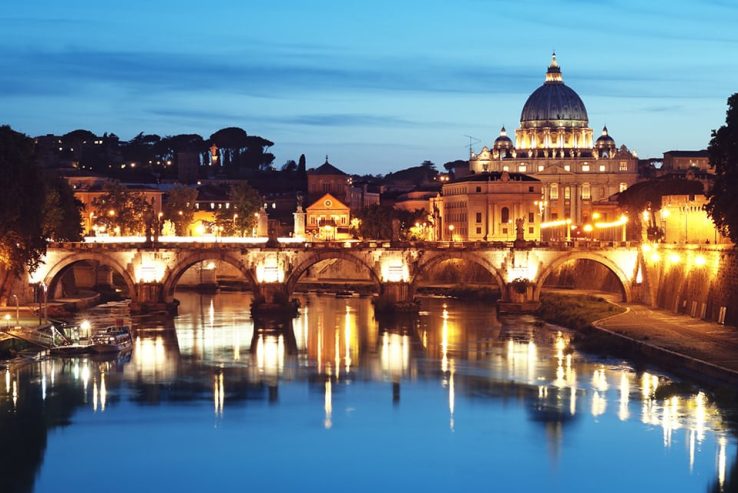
(455, 365)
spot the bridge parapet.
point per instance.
(152, 271)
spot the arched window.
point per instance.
(505, 215)
(554, 194)
(567, 193)
(586, 191)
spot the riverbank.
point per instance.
(687, 347)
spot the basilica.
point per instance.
(554, 145)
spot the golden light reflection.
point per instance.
(623, 411)
(328, 405)
(395, 354)
(150, 359)
(444, 340)
(103, 393)
(599, 403)
(451, 397)
(599, 380)
(522, 360)
(349, 324)
(270, 354)
(218, 393)
(721, 461)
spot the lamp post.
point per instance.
(451, 228)
(17, 311)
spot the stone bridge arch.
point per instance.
(304, 263)
(425, 264)
(595, 257)
(55, 272)
(174, 274)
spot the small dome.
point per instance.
(605, 140)
(503, 141)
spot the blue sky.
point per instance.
(376, 85)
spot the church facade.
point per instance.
(555, 145)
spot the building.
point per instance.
(683, 219)
(328, 219)
(88, 188)
(554, 144)
(676, 161)
(488, 206)
(326, 178)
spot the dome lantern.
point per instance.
(553, 74)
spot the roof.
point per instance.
(327, 201)
(495, 176)
(326, 169)
(701, 153)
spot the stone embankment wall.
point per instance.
(701, 282)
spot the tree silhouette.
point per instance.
(179, 207)
(22, 238)
(240, 217)
(723, 149)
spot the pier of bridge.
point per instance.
(151, 271)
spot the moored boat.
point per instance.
(112, 340)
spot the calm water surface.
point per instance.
(455, 400)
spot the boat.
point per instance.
(112, 339)
(72, 349)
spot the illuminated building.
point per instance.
(328, 219)
(486, 207)
(683, 219)
(555, 144)
(326, 178)
(686, 160)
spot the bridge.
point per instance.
(151, 270)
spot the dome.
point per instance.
(554, 104)
(605, 140)
(503, 140)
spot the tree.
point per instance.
(240, 218)
(62, 212)
(180, 207)
(647, 195)
(376, 222)
(22, 238)
(120, 211)
(723, 149)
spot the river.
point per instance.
(457, 399)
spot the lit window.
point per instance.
(506, 168)
(623, 166)
(567, 167)
(540, 167)
(567, 193)
(585, 168)
(602, 168)
(522, 168)
(623, 187)
(554, 193)
(586, 191)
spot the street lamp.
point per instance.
(451, 228)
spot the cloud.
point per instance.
(73, 72)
